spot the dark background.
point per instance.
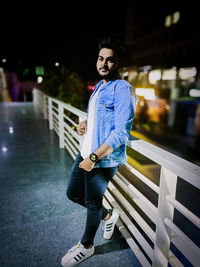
(38, 33)
(67, 32)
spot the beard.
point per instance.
(110, 75)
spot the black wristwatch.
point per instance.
(93, 157)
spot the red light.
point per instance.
(91, 87)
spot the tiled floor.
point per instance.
(38, 224)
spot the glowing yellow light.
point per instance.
(141, 103)
(167, 107)
(168, 21)
(176, 17)
(148, 93)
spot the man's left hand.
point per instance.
(87, 164)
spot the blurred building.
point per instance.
(4, 94)
(162, 61)
(12, 90)
(163, 35)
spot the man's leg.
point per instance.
(76, 187)
(96, 183)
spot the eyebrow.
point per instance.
(107, 58)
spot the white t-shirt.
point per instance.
(87, 139)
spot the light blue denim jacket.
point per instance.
(114, 113)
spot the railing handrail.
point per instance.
(181, 167)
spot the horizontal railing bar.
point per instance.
(134, 214)
(186, 212)
(70, 108)
(174, 261)
(72, 140)
(72, 122)
(181, 167)
(55, 114)
(70, 151)
(70, 145)
(55, 110)
(136, 193)
(55, 123)
(71, 131)
(143, 178)
(150, 213)
(184, 243)
(138, 253)
(54, 117)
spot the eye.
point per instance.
(112, 60)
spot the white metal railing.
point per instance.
(150, 229)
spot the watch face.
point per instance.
(93, 157)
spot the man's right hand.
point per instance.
(81, 128)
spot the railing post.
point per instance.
(50, 113)
(35, 96)
(44, 106)
(61, 125)
(168, 182)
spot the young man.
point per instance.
(110, 116)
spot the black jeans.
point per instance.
(87, 189)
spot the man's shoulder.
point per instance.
(122, 83)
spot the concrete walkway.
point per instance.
(38, 224)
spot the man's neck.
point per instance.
(104, 82)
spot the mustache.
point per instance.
(103, 68)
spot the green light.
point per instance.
(26, 72)
(39, 70)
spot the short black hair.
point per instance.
(115, 44)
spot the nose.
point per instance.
(105, 63)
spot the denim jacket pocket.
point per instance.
(106, 109)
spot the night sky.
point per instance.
(40, 35)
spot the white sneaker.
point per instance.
(109, 225)
(76, 254)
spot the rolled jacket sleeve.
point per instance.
(125, 103)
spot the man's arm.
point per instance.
(124, 106)
(124, 114)
(103, 151)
